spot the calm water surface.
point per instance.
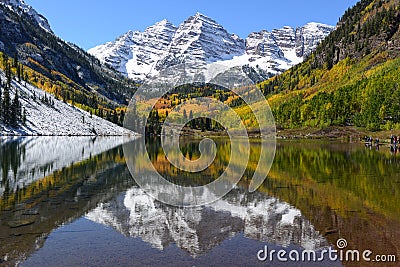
(68, 201)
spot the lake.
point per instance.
(71, 201)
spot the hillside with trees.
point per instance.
(59, 61)
(352, 79)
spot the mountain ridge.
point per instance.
(20, 7)
(200, 38)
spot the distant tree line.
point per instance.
(155, 121)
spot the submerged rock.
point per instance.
(21, 222)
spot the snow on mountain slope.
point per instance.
(201, 39)
(19, 6)
(263, 44)
(135, 53)
(310, 36)
(271, 53)
(60, 119)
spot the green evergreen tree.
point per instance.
(19, 72)
(115, 117)
(15, 110)
(8, 75)
(184, 115)
(24, 116)
(156, 116)
(1, 98)
(121, 117)
(6, 105)
(208, 124)
(4, 59)
(192, 122)
(15, 61)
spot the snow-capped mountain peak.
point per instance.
(163, 22)
(20, 7)
(200, 15)
(161, 26)
(200, 18)
(135, 53)
(201, 39)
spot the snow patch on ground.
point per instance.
(61, 119)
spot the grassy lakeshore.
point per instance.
(335, 132)
(349, 133)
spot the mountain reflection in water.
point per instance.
(55, 192)
(198, 230)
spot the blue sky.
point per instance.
(88, 23)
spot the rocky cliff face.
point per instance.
(201, 39)
(309, 36)
(368, 27)
(288, 44)
(135, 53)
(263, 44)
(20, 7)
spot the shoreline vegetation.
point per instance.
(349, 133)
(345, 133)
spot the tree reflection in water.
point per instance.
(315, 193)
